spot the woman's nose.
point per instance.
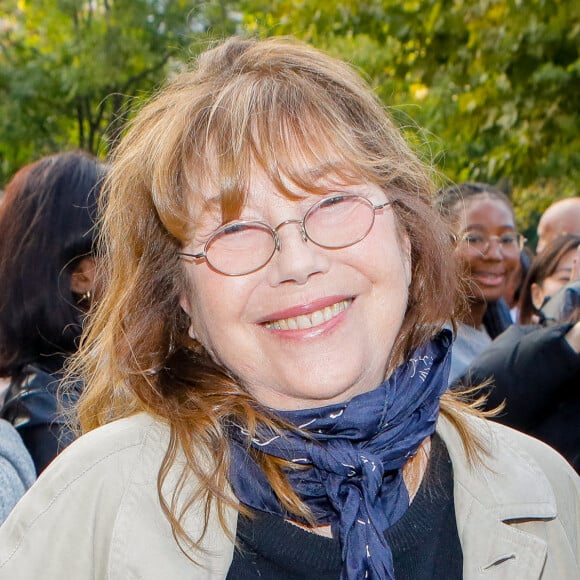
(297, 258)
(493, 250)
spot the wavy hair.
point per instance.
(276, 104)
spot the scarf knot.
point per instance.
(353, 463)
(354, 453)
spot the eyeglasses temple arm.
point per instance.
(381, 205)
(195, 256)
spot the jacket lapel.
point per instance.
(506, 486)
(493, 550)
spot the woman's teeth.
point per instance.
(315, 318)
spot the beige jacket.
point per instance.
(94, 513)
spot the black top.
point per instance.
(424, 542)
(536, 374)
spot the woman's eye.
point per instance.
(508, 239)
(473, 238)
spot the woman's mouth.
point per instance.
(310, 320)
(489, 278)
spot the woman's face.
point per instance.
(314, 326)
(488, 270)
(553, 283)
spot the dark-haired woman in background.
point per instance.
(46, 278)
(549, 271)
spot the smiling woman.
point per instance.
(488, 248)
(283, 330)
(266, 370)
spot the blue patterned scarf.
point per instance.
(356, 451)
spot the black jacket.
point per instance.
(35, 407)
(537, 374)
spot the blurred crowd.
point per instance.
(518, 336)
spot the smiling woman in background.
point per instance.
(266, 371)
(488, 247)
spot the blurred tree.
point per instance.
(71, 70)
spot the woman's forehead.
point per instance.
(566, 261)
(487, 200)
(296, 181)
(483, 211)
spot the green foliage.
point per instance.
(71, 71)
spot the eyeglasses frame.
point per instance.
(274, 232)
(521, 242)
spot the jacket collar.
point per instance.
(505, 486)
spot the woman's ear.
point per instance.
(537, 294)
(82, 278)
(186, 307)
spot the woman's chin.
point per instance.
(317, 395)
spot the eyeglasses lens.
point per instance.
(339, 222)
(481, 243)
(241, 249)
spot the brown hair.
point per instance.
(244, 102)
